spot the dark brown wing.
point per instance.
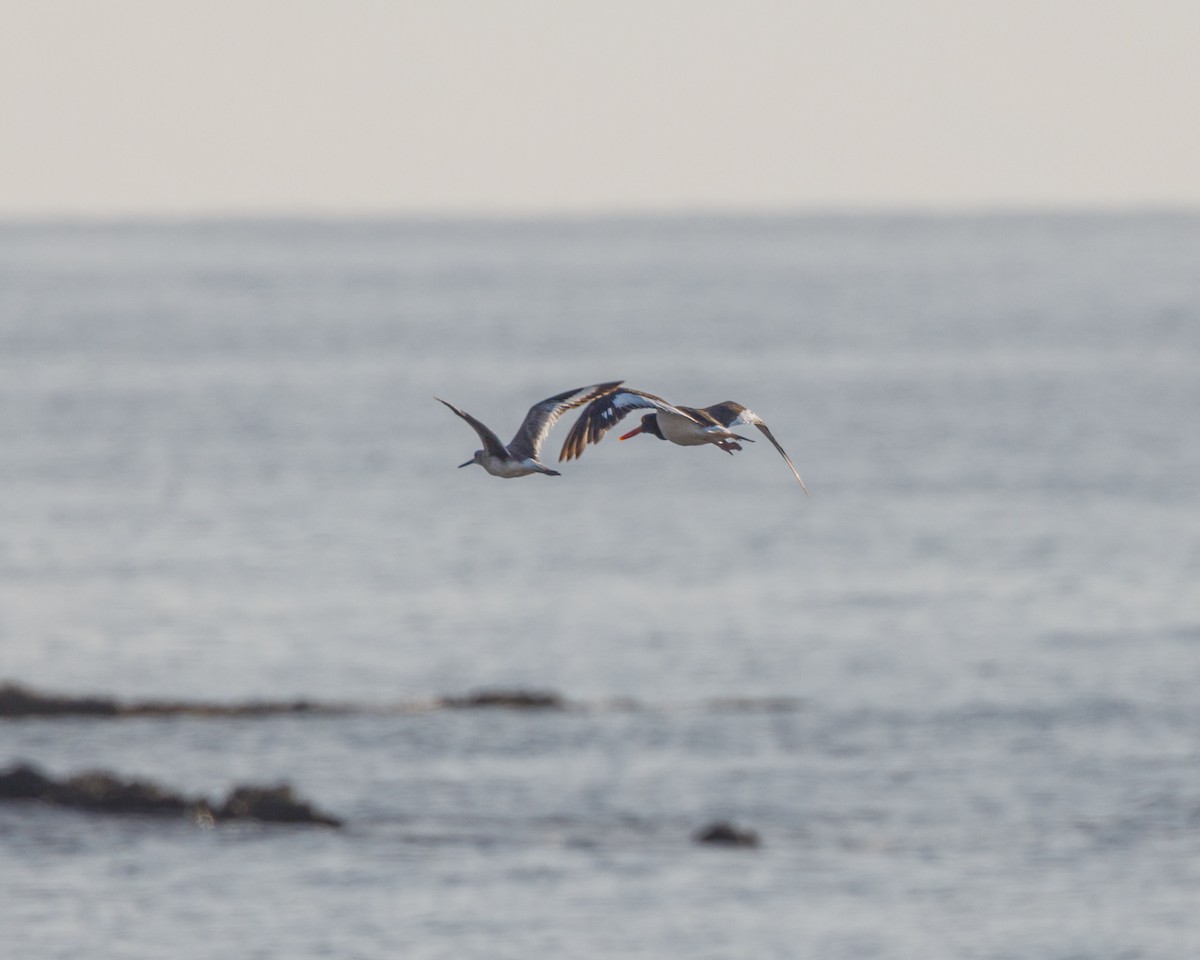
(730, 413)
(491, 443)
(604, 413)
(703, 415)
(542, 416)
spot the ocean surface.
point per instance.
(956, 690)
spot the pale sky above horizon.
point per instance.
(210, 107)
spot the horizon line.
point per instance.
(596, 214)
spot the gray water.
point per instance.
(954, 690)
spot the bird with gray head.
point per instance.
(520, 457)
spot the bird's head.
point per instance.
(649, 426)
(478, 458)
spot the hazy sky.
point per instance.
(386, 106)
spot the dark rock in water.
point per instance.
(96, 791)
(726, 834)
(17, 701)
(272, 805)
(100, 792)
(251, 708)
(512, 699)
(24, 782)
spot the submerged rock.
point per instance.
(723, 833)
(511, 699)
(102, 792)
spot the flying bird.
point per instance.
(520, 457)
(686, 426)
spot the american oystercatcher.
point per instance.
(686, 426)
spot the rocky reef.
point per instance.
(508, 699)
(98, 791)
(17, 701)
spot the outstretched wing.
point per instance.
(542, 416)
(729, 413)
(604, 413)
(491, 442)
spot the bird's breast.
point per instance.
(501, 467)
(681, 430)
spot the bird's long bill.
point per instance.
(632, 433)
(467, 464)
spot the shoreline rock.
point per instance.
(277, 804)
(508, 699)
(97, 791)
(18, 702)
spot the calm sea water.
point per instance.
(954, 690)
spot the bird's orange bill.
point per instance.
(632, 433)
